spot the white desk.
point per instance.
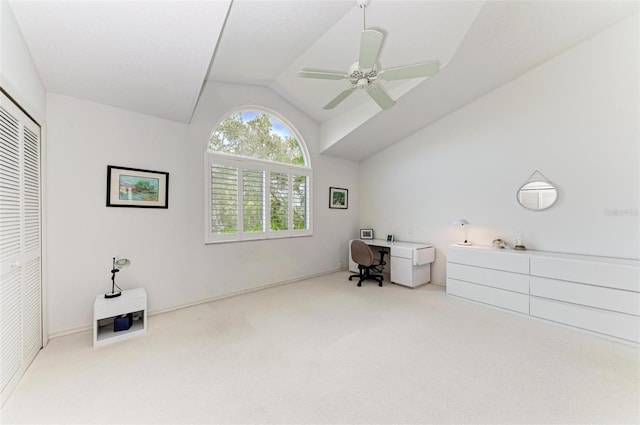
(410, 262)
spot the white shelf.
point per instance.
(131, 301)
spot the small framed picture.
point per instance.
(389, 238)
(366, 233)
(133, 187)
(338, 198)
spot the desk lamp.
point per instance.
(462, 222)
(115, 268)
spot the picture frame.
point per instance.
(366, 233)
(389, 238)
(137, 188)
(338, 198)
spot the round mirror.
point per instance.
(537, 195)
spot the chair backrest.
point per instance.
(361, 253)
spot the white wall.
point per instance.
(83, 233)
(166, 247)
(18, 73)
(575, 119)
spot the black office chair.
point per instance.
(363, 256)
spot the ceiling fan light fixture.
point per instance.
(362, 83)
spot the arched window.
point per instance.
(258, 179)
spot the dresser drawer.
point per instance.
(611, 323)
(493, 296)
(489, 277)
(588, 295)
(601, 273)
(493, 259)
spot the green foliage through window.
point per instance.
(256, 135)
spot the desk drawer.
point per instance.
(489, 277)
(587, 295)
(493, 296)
(619, 325)
(423, 256)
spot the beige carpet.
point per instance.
(325, 351)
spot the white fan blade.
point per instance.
(380, 95)
(370, 44)
(323, 75)
(342, 96)
(419, 70)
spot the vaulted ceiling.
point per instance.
(154, 57)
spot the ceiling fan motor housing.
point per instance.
(360, 78)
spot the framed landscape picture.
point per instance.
(133, 187)
(338, 198)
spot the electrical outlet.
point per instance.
(411, 230)
(339, 264)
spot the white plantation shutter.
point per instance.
(279, 191)
(300, 190)
(20, 244)
(224, 199)
(252, 199)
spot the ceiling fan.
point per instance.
(364, 74)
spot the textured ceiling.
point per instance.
(262, 38)
(146, 56)
(506, 40)
(153, 56)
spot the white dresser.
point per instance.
(598, 294)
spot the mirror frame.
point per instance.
(540, 179)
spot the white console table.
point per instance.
(105, 310)
(598, 294)
(410, 262)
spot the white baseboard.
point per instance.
(179, 307)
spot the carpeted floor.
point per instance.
(325, 351)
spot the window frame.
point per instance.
(242, 162)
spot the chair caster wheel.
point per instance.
(380, 285)
(349, 277)
(359, 284)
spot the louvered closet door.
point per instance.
(20, 240)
